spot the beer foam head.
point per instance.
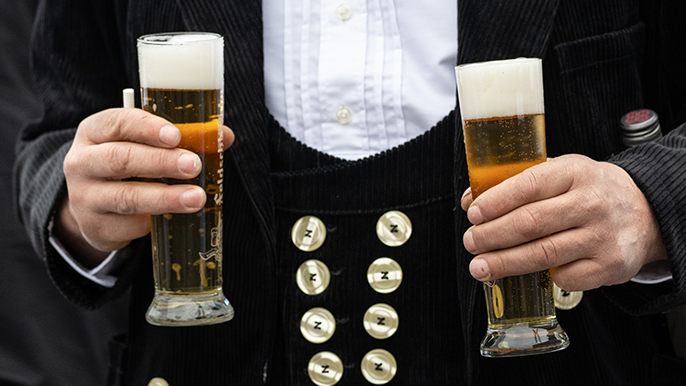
(500, 88)
(182, 61)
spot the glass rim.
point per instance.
(155, 38)
(499, 61)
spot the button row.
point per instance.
(318, 324)
(384, 276)
(378, 367)
(393, 229)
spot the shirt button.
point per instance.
(344, 12)
(317, 325)
(313, 277)
(566, 300)
(394, 228)
(381, 321)
(325, 369)
(384, 275)
(344, 116)
(308, 233)
(379, 367)
(158, 382)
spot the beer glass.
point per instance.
(501, 103)
(182, 80)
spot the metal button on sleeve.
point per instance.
(394, 228)
(317, 325)
(344, 116)
(384, 275)
(308, 233)
(381, 321)
(379, 367)
(158, 382)
(566, 300)
(313, 277)
(325, 369)
(344, 12)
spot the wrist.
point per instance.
(67, 230)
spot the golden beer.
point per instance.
(182, 81)
(191, 267)
(502, 109)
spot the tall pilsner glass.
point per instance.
(182, 80)
(502, 109)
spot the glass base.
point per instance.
(187, 310)
(524, 339)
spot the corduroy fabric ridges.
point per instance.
(657, 169)
(406, 175)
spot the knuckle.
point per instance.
(547, 255)
(528, 183)
(112, 124)
(529, 223)
(125, 200)
(73, 161)
(120, 156)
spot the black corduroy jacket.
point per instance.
(601, 60)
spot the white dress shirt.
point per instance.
(358, 77)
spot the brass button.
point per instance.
(379, 367)
(317, 325)
(566, 300)
(308, 233)
(325, 369)
(313, 277)
(381, 321)
(498, 301)
(394, 228)
(384, 275)
(158, 382)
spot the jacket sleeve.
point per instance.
(659, 169)
(78, 70)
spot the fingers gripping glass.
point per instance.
(501, 104)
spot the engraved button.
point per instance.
(381, 321)
(344, 12)
(566, 300)
(344, 116)
(313, 277)
(394, 228)
(379, 367)
(158, 382)
(384, 275)
(325, 368)
(308, 233)
(318, 325)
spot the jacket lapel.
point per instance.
(504, 29)
(240, 22)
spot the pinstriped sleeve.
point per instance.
(659, 170)
(78, 71)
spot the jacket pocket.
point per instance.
(600, 80)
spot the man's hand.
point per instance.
(586, 220)
(103, 212)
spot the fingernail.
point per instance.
(479, 270)
(474, 215)
(189, 163)
(468, 241)
(466, 193)
(192, 198)
(170, 135)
